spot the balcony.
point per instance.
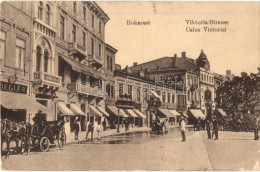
(168, 105)
(85, 89)
(77, 50)
(110, 101)
(181, 107)
(95, 60)
(41, 77)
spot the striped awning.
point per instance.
(174, 112)
(65, 111)
(140, 113)
(131, 112)
(115, 111)
(74, 108)
(102, 111)
(197, 113)
(95, 111)
(166, 112)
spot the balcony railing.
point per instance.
(96, 58)
(181, 107)
(47, 78)
(85, 89)
(110, 101)
(168, 105)
(77, 49)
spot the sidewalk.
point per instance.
(82, 135)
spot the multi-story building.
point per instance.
(136, 93)
(195, 75)
(61, 62)
(16, 44)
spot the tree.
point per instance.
(240, 98)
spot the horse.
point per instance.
(14, 131)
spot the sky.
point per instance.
(237, 49)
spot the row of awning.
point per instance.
(136, 113)
(169, 113)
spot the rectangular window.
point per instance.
(120, 89)
(84, 39)
(130, 90)
(111, 63)
(173, 98)
(108, 62)
(99, 27)
(92, 46)
(99, 50)
(168, 98)
(62, 27)
(163, 96)
(84, 13)
(145, 94)
(75, 6)
(74, 31)
(2, 44)
(138, 94)
(20, 54)
(93, 20)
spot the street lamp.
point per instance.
(55, 100)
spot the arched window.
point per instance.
(208, 95)
(46, 60)
(40, 9)
(38, 58)
(48, 14)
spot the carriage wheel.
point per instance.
(61, 139)
(44, 144)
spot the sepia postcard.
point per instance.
(130, 86)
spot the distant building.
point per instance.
(229, 76)
(199, 81)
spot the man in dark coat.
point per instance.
(76, 129)
(104, 123)
(208, 128)
(215, 127)
(90, 130)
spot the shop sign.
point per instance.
(15, 88)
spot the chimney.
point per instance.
(228, 72)
(118, 67)
(141, 73)
(183, 54)
(135, 64)
(175, 56)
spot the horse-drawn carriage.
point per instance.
(159, 126)
(45, 134)
(40, 135)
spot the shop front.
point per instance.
(16, 105)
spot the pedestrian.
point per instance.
(98, 128)
(199, 124)
(90, 130)
(104, 124)
(256, 127)
(215, 127)
(208, 127)
(183, 129)
(126, 125)
(76, 129)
